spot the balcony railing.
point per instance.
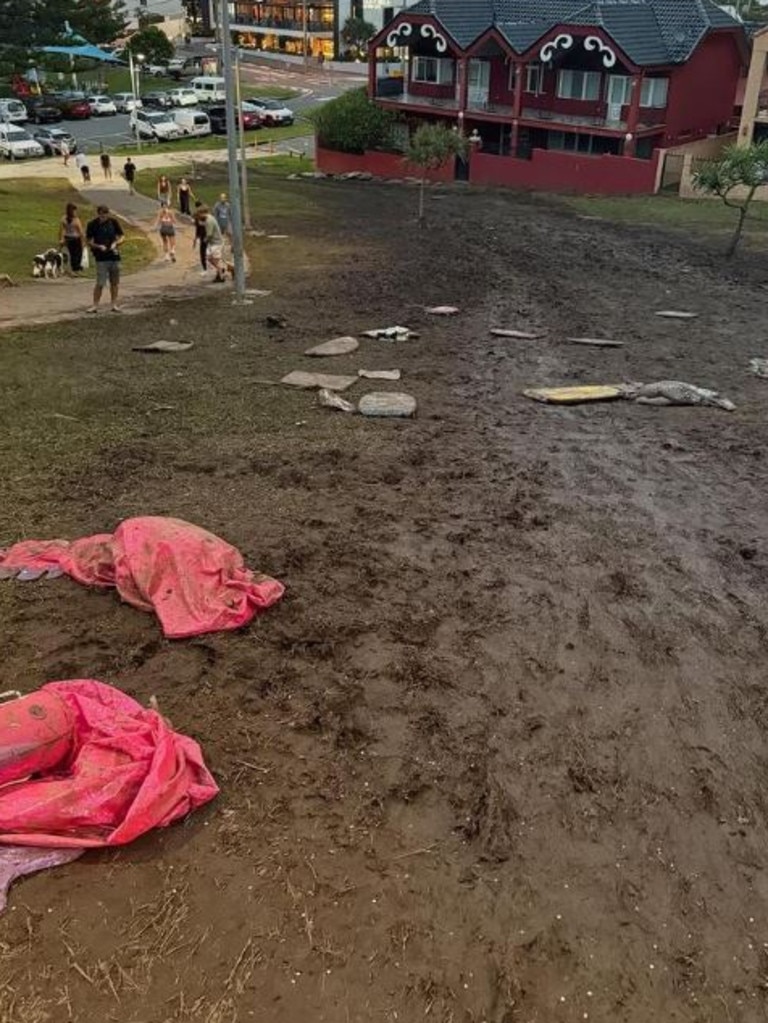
(285, 24)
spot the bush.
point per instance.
(352, 124)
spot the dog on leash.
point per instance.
(49, 264)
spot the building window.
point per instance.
(534, 79)
(620, 90)
(654, 92)
(582, 85)
(434, 70)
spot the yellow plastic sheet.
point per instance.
(574, 395)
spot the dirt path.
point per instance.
(499, 756)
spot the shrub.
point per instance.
(352, 124)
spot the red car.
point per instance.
(218, 119)
(73, 107)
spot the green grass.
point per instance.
(300, 130)
(119, 80)
(30, 212)
(702, 216)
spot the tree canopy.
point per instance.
(27, 25)
(357, 33)
(154, 44)
(734, 178)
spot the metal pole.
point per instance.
(234, 182)
(243, 159)
(132, 71)
(306, 31)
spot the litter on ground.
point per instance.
(379, 374)
(595, 342)
(574, 395)
(387, 403)
(311, 381)
(521, 335)
(194, 581)
(677, 314)
(20, 860)
(164, 346)
(391, 334)
(116, 771)
(443, 310)
(336, 346)
(675, 392)
(330, 400)
(759, 367)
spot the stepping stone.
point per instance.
(379, 374)
(165, 346)
(676, 314)
(575, 395)
(521, 335)
(310, 381)
(336, 346)
(443, 310)
(387, 403)
(595, 342)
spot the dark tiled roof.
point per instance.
(650, 32)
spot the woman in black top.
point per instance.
(201, 239)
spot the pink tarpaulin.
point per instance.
(122, 771)
(194, 581)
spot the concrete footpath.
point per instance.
(68, 298)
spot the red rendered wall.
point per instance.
(566, 172)
(382, 165)
(702, 92)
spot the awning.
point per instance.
(87, 50)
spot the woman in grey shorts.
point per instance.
(166, 225)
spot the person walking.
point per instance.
(215, 241)
(105, 236)
(201, 239)
(129, 173)
(106, 164)
(82, 165)
(166, 225)
(164, 190)
(222, 211)
(65, 152)
(71, 236)
(185, 196)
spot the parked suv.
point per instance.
(51, 140)
(16, 144)
(218, 117)
(102, 106)
(42, 110)
(273, 114)
(183, 97)
(155, 124)
(126, 102)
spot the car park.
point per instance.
(155, 124)
(51, 140)
(13, 110)
(42, 110)
(16, 143)
(126, 102)
(273, 114)
(218, 119)
(193, 122)
(155, 101)
(102, 106)
(183, 97)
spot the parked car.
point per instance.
(273, 114)
(17, 144)
(102, 106)
(42, 110)
(193, 122)
(218, 118)
(155, 70)
(51, 140)
(74, 106)
(126, 103)
(209, 88)
(179, 67)
(156, 101)
(183, 97)
(13, 110)
(155, 124)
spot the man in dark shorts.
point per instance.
(129, 173)
(201, 238)
(105, 236)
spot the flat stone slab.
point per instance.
(521, 335)
(443, 310)
(336, 346)
(390, 404)
(311, 381)
(165, 346)
(595, 342)
(575, 395)
(676, 314)
(379, 374)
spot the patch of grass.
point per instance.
(301, 130)
(704, 216)
(119, 80)
(30, 212)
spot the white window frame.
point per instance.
(626, 99)
(566, 74)
(534, 78)
(654, 93)
(444, 68)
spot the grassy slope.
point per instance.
(30, 212)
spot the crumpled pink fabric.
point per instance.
(194, 581)
(18, 860)
(124, 772)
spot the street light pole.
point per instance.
(243, 158)
(306, 32)
(134, 90)
(238, 255)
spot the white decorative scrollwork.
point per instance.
(594, 43)
(404, 29)
(430, 32)
(560, 42)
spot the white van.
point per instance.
(13, 110)
(209, 89)
(192, 121)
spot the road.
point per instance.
(315, 86)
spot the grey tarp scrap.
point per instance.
(759, 367)
(330, 400)
(676, 314)
(165, 346)
(391, 334)
(674, 392)
(310, 381)
(520, 335)
(595, 342)
(379, 374)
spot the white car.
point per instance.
(155, 70)
(17, 144)
(273, 114)
(183, 97)
(13, 110)
(155, 124)
(126, 103)
(102, 106)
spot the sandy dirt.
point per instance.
(500, 754)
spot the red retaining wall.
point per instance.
(382, 165)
